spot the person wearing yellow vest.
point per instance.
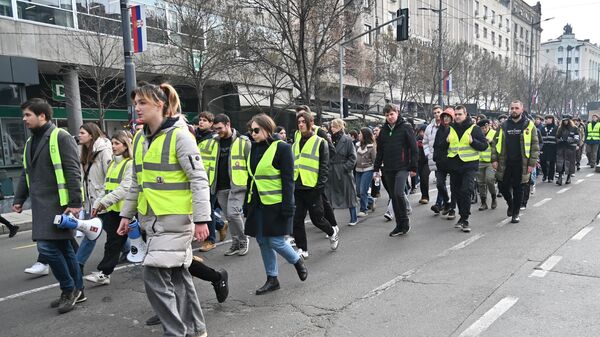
(225, 158)
(592, 140)
(465, 141)
(270, 200)
(170, 194)
(52, 180)
(204, 135)
(116, 186)
(311, 170)
(485, 177)
(515, 152)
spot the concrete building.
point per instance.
(492, 27)
(526, 34)
(581, 57)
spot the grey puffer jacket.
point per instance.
(93, 181)
(169, 237)
(119, 193)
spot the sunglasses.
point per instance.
(255, 130)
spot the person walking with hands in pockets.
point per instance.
(170, 193)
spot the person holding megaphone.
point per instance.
(170, 193)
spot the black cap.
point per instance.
(483, 122)
(564, 117)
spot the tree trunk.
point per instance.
(100, 107)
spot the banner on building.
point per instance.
(447, 82)
(138, 24)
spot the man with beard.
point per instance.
(515, 152)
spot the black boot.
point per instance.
(568, 180)
(559, 180)
(484, 205)
(271, 285)
(222, 286)
(301, 269)
(494, 202)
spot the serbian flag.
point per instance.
(447, 81)
(138, 24)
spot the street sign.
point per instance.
(58, 90)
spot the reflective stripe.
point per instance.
(267, 178)
(306, 164)
(308, 168)
(165, 167)
(461, 147)
(167, 186)
(275, 192)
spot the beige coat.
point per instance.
(93, 184)
(169, 237)
(120, 192)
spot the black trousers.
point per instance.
(394, 183)
(114, 242)
(6, 223)
(548, 163)
(200, 270)
(462, 186)
(328, 210)
(310, 201)
(511, 186)
(424, 179)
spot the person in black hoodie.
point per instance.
(548, 152)
(440, 157)
(397, 152)
(465, 141)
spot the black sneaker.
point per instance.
(445, 210)
(81, 297)
(459, 224)
(465, 227)
(68, 300)
(435, 209)
(509, 212)
(451, 215)
(222, 286)
(515, 219)
(56, 302)
(397, 231)
(13, 231)
(154, 320)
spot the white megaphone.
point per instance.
(137, 251)
(90, 228)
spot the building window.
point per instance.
(560, 49)
(493, 17)
(506, 43)
(507, 25)
(526, 36)
(568, 60)
(485, 11)
(576, 73)
(485, 33)
(476, 7)
(5, 8)
(521, 32)
(560, 60)
(500, 41)
(56, 13)
(367, 37)
(477, 30)
(577, 60)
(493, 38)
(13, 141)
(500, 21)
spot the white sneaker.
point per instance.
(98, 277)
(38, 268)
(387, 216)
(361, 214)
(532, 190)
(334, 240)
(291, 241)
(302, 253)
(352, 223)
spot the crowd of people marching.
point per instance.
(187, 182)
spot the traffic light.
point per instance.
(402, 25)
(346, 107)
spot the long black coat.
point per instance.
(43, 190)
(341, 186)
(277, 218)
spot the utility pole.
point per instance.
(130, 81)
(440, 51)
(531, 53)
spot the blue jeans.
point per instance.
(61, 257)
(86, 248)
(269, 245)
(533, 177)
(363, 182)
(215, 223)
(353, 217)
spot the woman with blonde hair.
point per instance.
(341, 186)
(170, 194)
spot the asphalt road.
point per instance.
(536, 278)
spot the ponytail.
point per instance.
(172, 107)
(164, 93)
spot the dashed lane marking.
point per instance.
(579, 181)
(582, 233)
(489, 317)
(462, 244)
(541, 202)
(547, 266)
(589, 175)
(26, 246)
(563, 190)
(503, 222)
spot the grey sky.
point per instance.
(581, 14)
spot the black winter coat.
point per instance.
(277, 218)
(397, 148)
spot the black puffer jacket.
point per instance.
(397, 148)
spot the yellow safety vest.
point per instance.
(527, 135)
(462, 147)
(306, 162)
(237, 160)
(267, 178)
(208, 151)
(114, 175)
(165, 186)
(593, 133)
(485, 156)
(63, 193)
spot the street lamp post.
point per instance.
(531, 62)
(130, 80)
(440, 55)
(569, 48)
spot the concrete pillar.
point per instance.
(72, 99)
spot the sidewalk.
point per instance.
(22, 220)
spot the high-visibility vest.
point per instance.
(593, 133)
(208, 151)
(165, 186)
(462, 147)
(237, 160)
(306, 161)
(114, 176)
(527, 135)
(485, 156)
(63, 193)
(267, 178)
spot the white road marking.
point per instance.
(26, 246)
(582, 233)
(589, 175)
(563, 190)
(541, 202)
(547, 266)
(462, 244)
(579, 181)
(504, 222)
(489, 317)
